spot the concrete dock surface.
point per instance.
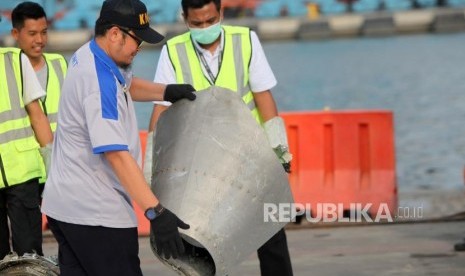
(424, 248)
(414, 245)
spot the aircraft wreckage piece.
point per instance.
(214, 168)
(28, 265)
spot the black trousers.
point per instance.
(274, 256)
(96, 250)
(20, 204)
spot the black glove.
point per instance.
(175, 92)
(287, 167)
(166, 234)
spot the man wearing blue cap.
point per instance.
(95, 170)
(214, 54)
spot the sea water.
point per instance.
(420, 78)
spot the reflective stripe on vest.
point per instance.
(234, 71)
(56, 66)
(19, 158)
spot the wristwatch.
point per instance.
(153, 212)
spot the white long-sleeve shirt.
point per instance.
(261, 77)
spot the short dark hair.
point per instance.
(102, 26)
(26, 10)
(186, 4)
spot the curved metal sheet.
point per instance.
(215, 169)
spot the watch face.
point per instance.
(150, 214)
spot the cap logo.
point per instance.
(143, 18)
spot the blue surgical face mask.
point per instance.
(206, 35)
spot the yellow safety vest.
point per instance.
(57, 66)
(20, 160)
(233, 73)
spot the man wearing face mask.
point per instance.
(211, 54)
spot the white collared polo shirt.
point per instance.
(95, 116)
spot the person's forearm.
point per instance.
(39, 123)
(266, 105)
(132, 179)
(144, 91)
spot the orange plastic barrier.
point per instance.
(251, 4)
(144, 226)
(343, 157)
(143, 141)
(339, 157)
(44, 223)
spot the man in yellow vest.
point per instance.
(23, 128)
(30, 32)
(231, 57)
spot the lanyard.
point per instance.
(212, 79)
